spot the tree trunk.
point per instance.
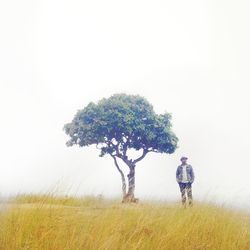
(124, 186)
(131, 182)
(130, 197)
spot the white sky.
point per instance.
(190, 58)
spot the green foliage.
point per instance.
(122, 122)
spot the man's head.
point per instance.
(184, 160)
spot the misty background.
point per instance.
(189, 58)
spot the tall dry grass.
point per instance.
(48, 222)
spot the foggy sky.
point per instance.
(189, 58)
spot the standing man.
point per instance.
(185, 178)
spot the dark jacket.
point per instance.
(190, 174)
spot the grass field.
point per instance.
(50, 222)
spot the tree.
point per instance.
(118, 125)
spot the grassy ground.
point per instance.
(47, 222)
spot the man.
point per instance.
(185, 178)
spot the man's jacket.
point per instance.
(190, 174)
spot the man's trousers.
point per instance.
(186, 188)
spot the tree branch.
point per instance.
(145, 151)
(126, 160)
(126, 144)
(118, 153)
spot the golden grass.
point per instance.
(56, 223)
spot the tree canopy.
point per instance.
(122, 122)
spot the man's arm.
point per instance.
(192, 174)
(178, 174)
